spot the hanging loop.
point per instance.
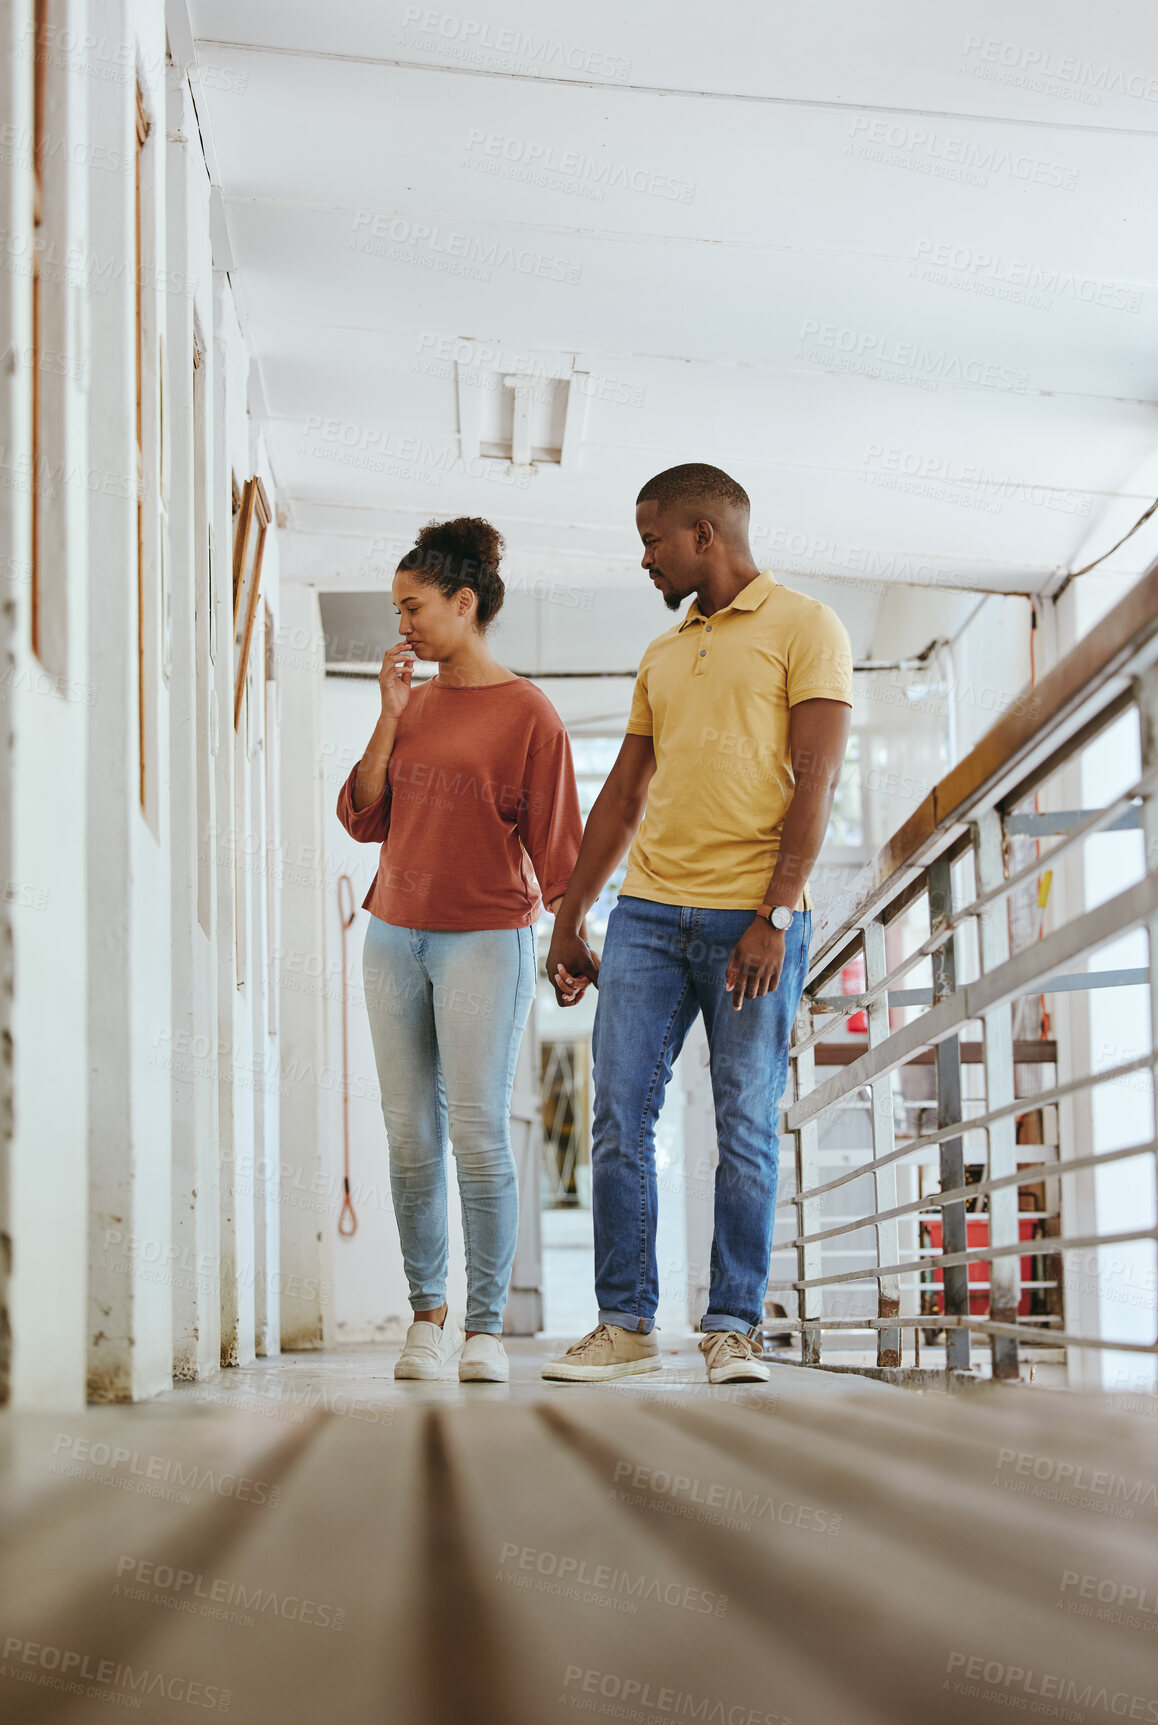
(347, 1220)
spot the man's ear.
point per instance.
(705, 535)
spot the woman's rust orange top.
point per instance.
(479, 815)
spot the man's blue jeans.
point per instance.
(662, 964)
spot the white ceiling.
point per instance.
(812, 309)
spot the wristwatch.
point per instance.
(779, 915)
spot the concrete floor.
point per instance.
(820, 1550)
(351, 1378)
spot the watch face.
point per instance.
(781, 917)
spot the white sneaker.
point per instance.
(607, 1352)
(429, 1349)
(732, 1355)
(483, 1360)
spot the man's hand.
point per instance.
(571, 966)
(755, 963)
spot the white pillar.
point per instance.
(196, 1213)
(44, 714)
(306, 1232)
(130, 1030)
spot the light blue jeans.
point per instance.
(447, 1010)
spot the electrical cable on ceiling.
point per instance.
(1141, 522)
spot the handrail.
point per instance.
(1125, 640)
(923, 1284)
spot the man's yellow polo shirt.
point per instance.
(714, 694)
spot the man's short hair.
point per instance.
(695, 485)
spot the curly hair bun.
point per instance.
(465, 552)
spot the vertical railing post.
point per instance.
(997, 1051)
(1145, 690)
(884, 1179)
(948, 1069)
(809, 1300)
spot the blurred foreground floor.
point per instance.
(305, 1540)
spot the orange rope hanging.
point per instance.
(347, 1210)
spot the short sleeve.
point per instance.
(639, 722)
(820, 659)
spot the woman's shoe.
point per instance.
(484, 1360)
(429, 1349)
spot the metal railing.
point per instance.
(936, 1236)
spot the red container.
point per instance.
(852, 982)
(977, 1235)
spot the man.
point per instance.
(737, 733)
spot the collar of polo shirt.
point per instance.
(747, 599)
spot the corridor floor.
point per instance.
(304, 1540)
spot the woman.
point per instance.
(467, 782)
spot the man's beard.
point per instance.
(673, 601)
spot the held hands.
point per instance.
(394, 679)
(755, 963)
(571, 966)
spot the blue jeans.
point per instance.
(447, 1014)
(662, 964)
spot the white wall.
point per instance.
(46, 704)
(307, 1233)
(122, 905)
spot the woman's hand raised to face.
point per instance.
(394, 679)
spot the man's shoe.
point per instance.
(608, 1352)
(732, 1356)
(483, 1360)
(429, 1349)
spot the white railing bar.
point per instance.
(962, 913)
(982, 1255)
(1023, 1177)
(1074, 982)
(917, 1321)
(937, 1320)
(1125, 911)
(979, 1122)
